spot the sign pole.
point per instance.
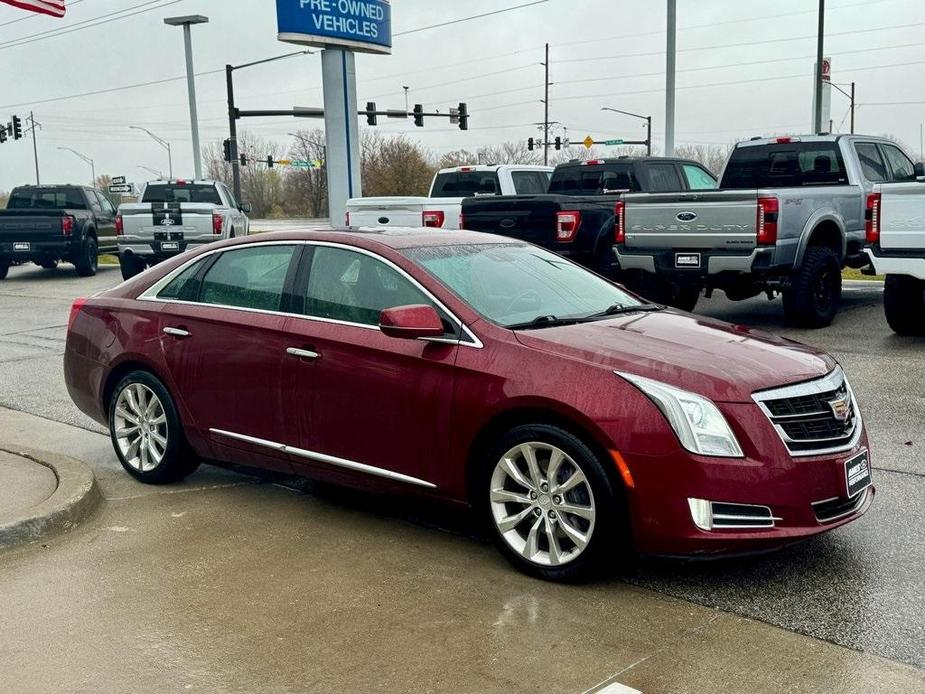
(338, 69)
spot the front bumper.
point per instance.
(712, 262)
(798, 491)
(897, 264)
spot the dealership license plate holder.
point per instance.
(857, 473)
(687, 261)
(170, 245)
(22, 246)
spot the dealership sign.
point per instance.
(359, 25)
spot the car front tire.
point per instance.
(904, 304)
(551, 506)
(814, 294)
(146, 432)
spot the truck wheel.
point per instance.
(4, 268)
(86, 262)
(130, 265)
(814, 295)
(685, 298)
(904, 304)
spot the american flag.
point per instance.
(53, 7)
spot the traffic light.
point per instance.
(270, 162)
(371, 118)
(17, 128)
(558, 143)
(419, 115)
(243, 160)
(530, 144)
(463, 116)
(226, 145)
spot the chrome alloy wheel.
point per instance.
(140, 427)
(542, 504)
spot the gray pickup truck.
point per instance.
(788, 216)
(174, 216)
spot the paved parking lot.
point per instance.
(860, 586)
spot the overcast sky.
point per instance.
(744, 68)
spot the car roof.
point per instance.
(394, 237)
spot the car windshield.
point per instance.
(201, 193)
(518, 285)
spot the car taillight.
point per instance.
(872, 217)
(768, 212)
(567, 223)
(433, 218)
(462, 221)
(75, 309)
(67, 225)
(120, 226)
(619, 222)
(217, 223)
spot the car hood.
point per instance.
(724, 362)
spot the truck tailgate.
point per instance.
(148, 219)
(388, 212)
(526, 217)
(711, 220)
(902, 216)
(28, 226)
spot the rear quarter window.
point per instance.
(790, 165)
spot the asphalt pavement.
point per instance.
(861, 586)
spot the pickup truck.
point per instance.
(579, 217)
(174, 216)
(50, 223)
(896, 237)
(447, 191)
(788, 216)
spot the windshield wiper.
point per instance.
(620, 309)
(543, 322)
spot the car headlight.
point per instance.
(699, 424)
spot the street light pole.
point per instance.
(671, 53)
(86, 159)
(546, 116)
(647, 119)
(820, 49)
(186, 22)
(162, 142)
(159, 174)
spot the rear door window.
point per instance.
(871, 162)
(465, 184)
(785, 165)
(248, 278)
(183, 287)
(530, 182)
(697, 178)
(664, 178)
(901, 166)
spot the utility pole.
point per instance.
(852, 108)
(407, 109)
(671, 54)
(546, 115)
(233, 130)
(35, 147)
(817, 116)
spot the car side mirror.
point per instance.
(245, 207)
(411, 322)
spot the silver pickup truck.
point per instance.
(174, 216)
(788, 216)
(896, 234)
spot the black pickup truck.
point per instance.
(579, 217)
(50, 223)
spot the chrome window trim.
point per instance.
(328, 459)
(828, 383)
(470, 339)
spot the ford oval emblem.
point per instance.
(508, 223)
(686, 216)
(384, 220)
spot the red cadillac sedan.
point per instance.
(574, 416)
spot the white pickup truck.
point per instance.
(896, 237)
(174, 216)
(450, 186)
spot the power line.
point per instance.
(469, 19)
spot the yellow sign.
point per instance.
(284, 162)
(589, 142)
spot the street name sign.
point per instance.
(613, 142)
(359, 25)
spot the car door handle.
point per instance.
(176, 332)
(302, 353)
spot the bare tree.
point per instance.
(4, 197)
(512, 152)
(713, 157)
(394, 166)
(458, 157)
(261, 186)
(305, 191)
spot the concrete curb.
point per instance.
(76, 497)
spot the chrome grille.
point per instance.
(815, 417)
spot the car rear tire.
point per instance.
(87, 260)
(146, 432)
(904, 304)
(551, 506)
(4, 268)
(130, 265)
(814, 294)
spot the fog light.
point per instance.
(702, 513)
